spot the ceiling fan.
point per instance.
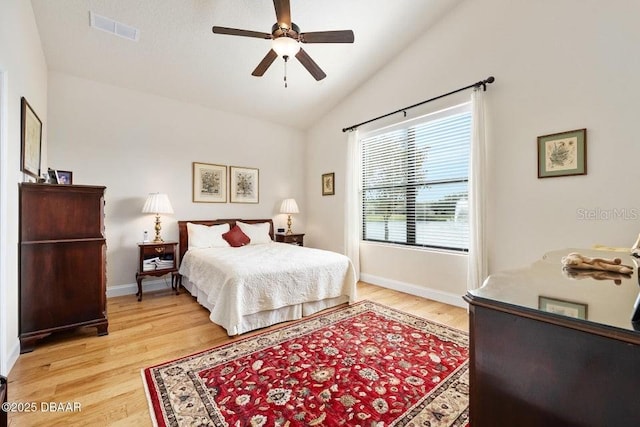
(286, 38)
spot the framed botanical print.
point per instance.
(562, 154)
(328, 184)
(244, 184)
(31, 139)
(209, 183)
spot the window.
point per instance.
(415, 181)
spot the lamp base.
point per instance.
(158, 239)
(289, 231)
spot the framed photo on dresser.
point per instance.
(573, 309)
(64, 177)
(52, 176)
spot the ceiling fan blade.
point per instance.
(343, 36)
(310, 65)
(237, 32)
(265, 63)
(283, 12)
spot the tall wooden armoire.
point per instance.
(62, 260)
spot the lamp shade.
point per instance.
(289, 206)
(157, 203)
(285, 46)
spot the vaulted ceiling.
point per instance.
(178, 56)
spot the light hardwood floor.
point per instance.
(102, 374)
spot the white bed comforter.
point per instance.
(254, 278)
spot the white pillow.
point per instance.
(258, 233)
(203, 236)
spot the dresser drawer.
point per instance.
(160, 250)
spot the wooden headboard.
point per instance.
(184, 235)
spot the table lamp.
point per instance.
(289, 206)
(157, 203)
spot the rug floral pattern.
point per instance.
(363, 365)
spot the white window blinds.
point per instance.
(415, 181)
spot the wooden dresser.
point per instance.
(62, 260)
(551, 347)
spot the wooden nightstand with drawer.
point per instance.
(157, 259)
(294, 239)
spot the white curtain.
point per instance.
(478, 264)
(352, 201)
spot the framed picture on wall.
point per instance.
(209, 183)
(31, 140)
(244, 185)
(328, 184)
(562, 154)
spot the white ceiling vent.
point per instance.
(110, 26)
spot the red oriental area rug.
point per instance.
(361, 365)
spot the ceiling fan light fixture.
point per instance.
(285, 39)
(285, 46)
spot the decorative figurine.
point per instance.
(580, 262)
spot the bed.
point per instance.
(261, 283)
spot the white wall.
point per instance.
(24, 73)
(559, 65)
(135, 143)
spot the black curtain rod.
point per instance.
(482, 83)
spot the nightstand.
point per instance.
(158, 259)
(294, 239)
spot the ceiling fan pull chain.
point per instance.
(286, 58)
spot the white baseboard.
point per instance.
(132, 288)
(12, 357)
(420, 291)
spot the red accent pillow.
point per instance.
(235, 237)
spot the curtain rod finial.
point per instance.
(490, 79)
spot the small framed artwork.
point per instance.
(31, 139)
(209, 183)
(64, 177)
(244, 185)
(562, 154)
(564, 308)
(328, 184)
